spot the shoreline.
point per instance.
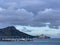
(16, 39)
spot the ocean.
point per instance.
(34, 42)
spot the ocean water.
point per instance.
(34, 42)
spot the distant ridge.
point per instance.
(11, 32)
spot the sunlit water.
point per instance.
(34, 42)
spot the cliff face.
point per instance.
(11, 31)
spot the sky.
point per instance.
(36, 31)
(30, 12)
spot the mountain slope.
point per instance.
(11, 31)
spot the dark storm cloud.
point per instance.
(30, 12)
(19, 16)
(30, 5)
(48, 15)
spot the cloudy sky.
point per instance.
(35, 13)
(30, 12)
(51, 32)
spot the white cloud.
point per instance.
(47, 10)
(54, 33)
(2, 9)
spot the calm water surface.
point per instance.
(34, 42)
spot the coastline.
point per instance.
(16, 39)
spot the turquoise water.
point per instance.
(34, 42)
